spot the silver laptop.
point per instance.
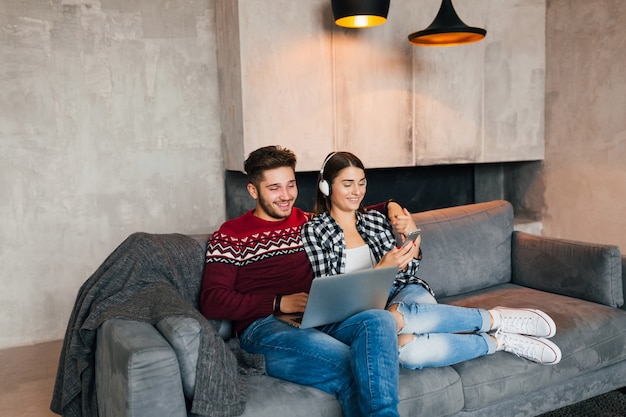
(337, 297)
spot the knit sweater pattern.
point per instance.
(248, 262)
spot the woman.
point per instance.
(343, 237)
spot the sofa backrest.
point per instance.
(466, 248)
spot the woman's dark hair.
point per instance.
(266, 158)
(335, 162)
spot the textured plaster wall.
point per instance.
(584, 172)
(108, 125)
(319, 87)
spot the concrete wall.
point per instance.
(584, 173)
(319, 87)
(108, 125)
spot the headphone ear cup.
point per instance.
(324, 187)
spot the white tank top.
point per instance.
(359, 258)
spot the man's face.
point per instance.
(275, 195)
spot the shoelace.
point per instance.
(520, 347)
(520, 324)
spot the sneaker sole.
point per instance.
(553, 347)
(546, 343)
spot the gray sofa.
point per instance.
(472, 257)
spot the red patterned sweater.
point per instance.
(248, 262)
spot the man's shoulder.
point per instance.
(248, 223)
(237, 225)
(300, 215)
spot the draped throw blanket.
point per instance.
(149, 277)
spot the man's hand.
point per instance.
(294, 303)
(394, 209)
(403, 222)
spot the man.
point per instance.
(256, 266)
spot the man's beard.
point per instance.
(271, 211)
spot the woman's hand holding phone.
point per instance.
(399, 256)
(411, 237)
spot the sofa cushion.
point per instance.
(430, 392)
(269, 396)
(466, 248)
(591, 336)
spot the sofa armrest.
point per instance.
(137, 373)
(587, 271)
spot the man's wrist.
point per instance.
(277, 301)
(392, 201)
(393, 209)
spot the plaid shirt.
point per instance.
(325, 245)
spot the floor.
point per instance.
(27, 379)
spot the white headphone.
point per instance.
(323, 185)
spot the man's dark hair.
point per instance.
(266, 158)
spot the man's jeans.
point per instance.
(356, 359)
(445, 334)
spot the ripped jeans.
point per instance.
(445, 334)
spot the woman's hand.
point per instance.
(416, 246)
(403, 224)
(400, 257)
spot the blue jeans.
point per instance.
(356, 359)
(446, 334)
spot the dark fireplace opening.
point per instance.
(423, 187)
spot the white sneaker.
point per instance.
(526, 321)
(536, 349)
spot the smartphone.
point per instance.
(411, 237)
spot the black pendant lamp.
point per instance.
(447, 30)
(360, 13)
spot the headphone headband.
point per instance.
(323, 185)
(325, 162)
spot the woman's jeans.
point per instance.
(446, 334)
(356, 359)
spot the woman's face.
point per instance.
(348, 189)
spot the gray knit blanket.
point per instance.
(147, 278)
